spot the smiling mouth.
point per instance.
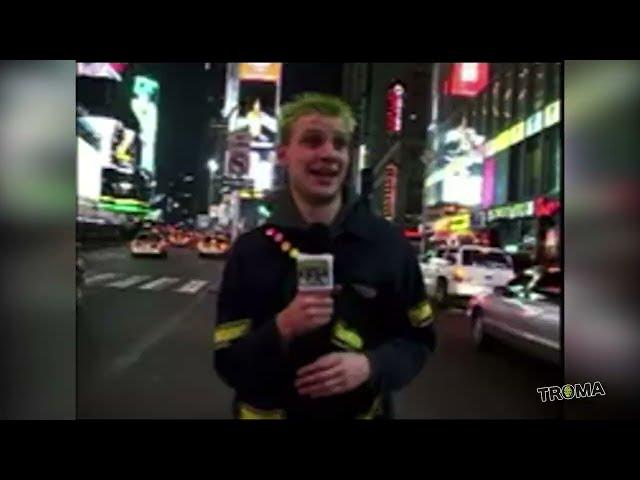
(324, 171)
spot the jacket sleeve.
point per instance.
(395, 363)
(248, 352)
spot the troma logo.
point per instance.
(569, 392)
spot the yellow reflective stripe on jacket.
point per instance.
(227, 332)
(347, 337)
(421, 315)
(247, 412)
(374, 411)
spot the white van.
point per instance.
(465, 271)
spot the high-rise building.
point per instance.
(394, 117)
(497, 151)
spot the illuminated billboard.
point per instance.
(264, 72)
(460, 176)
(124, 152)
(111, 70)
(252, 104)
(488, 182)
(257, 112)
(467, 79)
(145, 106)
(102, 131)
(88, 171)
(395, 106)
(390, 191)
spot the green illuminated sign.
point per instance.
(516, 210)
(145, 86)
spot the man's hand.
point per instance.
(333, 374)
(308, 311)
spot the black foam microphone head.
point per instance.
(319, 238)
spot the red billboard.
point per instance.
(395, 105)
(467, 79)
(390, 189)
(546, 207)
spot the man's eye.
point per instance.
(313, 141)
(339, 143)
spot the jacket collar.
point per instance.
(352, 217)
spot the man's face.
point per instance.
(317, 157)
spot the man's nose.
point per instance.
(328, 150)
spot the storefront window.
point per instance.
(551, 167)
(496, 111)
(529, 236)
(553, 81)
(515, 173)
(507, 96)
(501, 178)
(474, 117)
(533, 167)
(489, 113)
(522, 89)
(538, 91)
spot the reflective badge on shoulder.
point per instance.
(421, 315)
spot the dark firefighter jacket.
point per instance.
(381, 311)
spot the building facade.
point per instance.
(391, 102)
(505, 143)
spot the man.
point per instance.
(330, 354)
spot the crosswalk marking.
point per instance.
(148, 282)
(192, 287)
(100, 277)
(160, 283)
(130, 281)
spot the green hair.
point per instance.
(308, 103)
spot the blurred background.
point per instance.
(108, 165)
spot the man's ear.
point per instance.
(281, 151)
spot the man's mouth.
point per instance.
(324, 171)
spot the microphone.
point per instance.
(315, 265)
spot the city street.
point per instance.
(144, 338)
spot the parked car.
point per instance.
(525, 314)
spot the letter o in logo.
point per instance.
(568, 392)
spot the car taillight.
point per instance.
(459, 274)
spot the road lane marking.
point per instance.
(160, 283)
(130, 281)
(146, 342)
(101, 277)
(192, 287)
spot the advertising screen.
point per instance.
(100, 132)
(124, 152)
(88, 171)
(111, 70)
(257, 113)
(463, 189)
(144, 104)
(266, 72)
(488, 182)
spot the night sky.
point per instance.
(189, 96)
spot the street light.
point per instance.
(213, 165)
